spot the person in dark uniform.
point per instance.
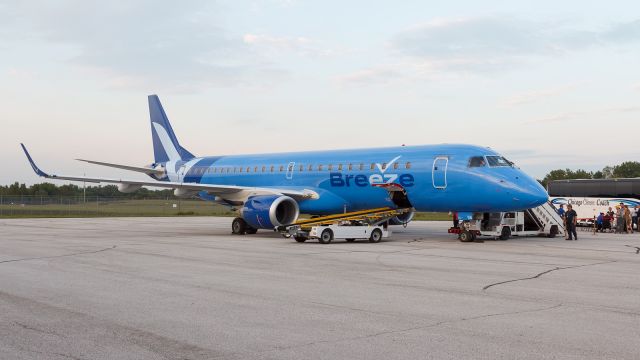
(571, 218)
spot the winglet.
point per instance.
(33, 165)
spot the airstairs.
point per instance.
(547, 217)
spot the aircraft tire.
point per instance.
(505, 234)
(239, 226)
(465, 236)
(300, 239)
(325, 236)
(251, 230)
(376, 236)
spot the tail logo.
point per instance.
(167, 144)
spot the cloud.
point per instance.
(379, 75)
(504, 36)
(277, 45)
(490, 44)
(567, 116)
(170, 45)
(533, 96)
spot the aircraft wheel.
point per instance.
(239, 226)
(376, 236)
(300, 239)
(251, 230)
(465, 236)
(505, 234)
(326, 236)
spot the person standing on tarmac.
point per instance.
(561, 211)
(627, 219)
(571, 218)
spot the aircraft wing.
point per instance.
(222, 190)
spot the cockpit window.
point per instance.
(477, 161)
(495, 161)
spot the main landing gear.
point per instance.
(240, 227)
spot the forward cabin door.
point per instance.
(439, 172)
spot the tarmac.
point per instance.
(185, 288)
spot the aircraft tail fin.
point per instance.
(165, 143)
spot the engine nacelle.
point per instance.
(128, 188)
(402, 219)
(269, 211)
(182, 193)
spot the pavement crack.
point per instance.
(59, 256)
(31, 328)
(543, 273)
(421, 327)
(635, 247)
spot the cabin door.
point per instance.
(439, 172)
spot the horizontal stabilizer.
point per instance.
(145, 170)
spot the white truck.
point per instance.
(539, 221)
(371, 224)
(326, 233)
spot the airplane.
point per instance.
(272, 190)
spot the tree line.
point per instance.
(627, 169)
(71, 190)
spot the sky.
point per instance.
(549, 84)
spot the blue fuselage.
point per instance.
(434, 177)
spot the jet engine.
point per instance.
(128, 188)
(402, 219)
(269, 211)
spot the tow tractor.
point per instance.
(539, 221)
(369, 224)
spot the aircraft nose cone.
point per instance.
(533, 194)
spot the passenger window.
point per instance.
(361, 167)
(255, 169)
(248, 169)
(310, 167)
(384, 166)
(301, 168)
(330, 167)
(373, 166)
(320, 167)
(228, 170)
(339, 167)
(272, 167)
(350, 167)
(395, 166)
(477, 161)
(407, 165)
(281, 168)
(264, 168)
(240, 170)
